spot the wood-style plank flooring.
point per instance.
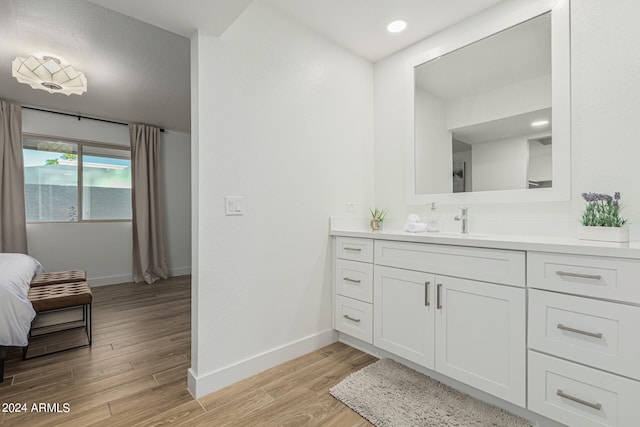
(135, 373)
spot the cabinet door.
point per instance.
(480, 336)
(403, 310)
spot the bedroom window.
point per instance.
(76, 181)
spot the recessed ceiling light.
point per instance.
(540, 123)
(397, 26)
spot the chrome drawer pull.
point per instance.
(426, 294)
(346, 248)
(579, 275)
(346, 316)
(580, 331)
(348, 279)
(597, 406)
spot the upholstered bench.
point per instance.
(61, 296)
(58, 277)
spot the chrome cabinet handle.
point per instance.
(579, 275)
(426, 294)
(438, 296)
(597, 406)
(346, 248)
(579, 331)
(346, 316)
(349, 279)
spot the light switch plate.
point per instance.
(234, 205)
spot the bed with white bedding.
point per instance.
(16, 311)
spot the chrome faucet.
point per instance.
(463, 217)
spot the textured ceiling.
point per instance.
(360, 25)
(182, 17)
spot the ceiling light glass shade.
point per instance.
(47, 73)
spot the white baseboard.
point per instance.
(128, 278)
(109, 280)
(180, 271)
(208, 383)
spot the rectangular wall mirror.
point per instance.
(491, 116)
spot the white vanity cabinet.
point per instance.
(551, 326)
(469, 330)
(584, 350)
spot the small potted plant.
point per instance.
(378, 216)
(601, 219)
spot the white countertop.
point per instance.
(562, 245)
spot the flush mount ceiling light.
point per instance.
(540, 123)
(50, 74)
(397, 26)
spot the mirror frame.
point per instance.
(492, 21)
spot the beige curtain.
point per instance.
(13, 224)
(149, 260)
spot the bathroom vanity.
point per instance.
(546, 324)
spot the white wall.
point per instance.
(175, 155)
(540, 161)
(283, 118)
(604, 94)
(433, 150)
(605, 130)
(500, 165)
(104, 248)
(510, 100)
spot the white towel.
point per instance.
(416, 227)
(413, 218)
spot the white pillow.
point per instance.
(16, 272)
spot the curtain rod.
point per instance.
(79, 116)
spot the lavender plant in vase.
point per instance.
(601, 219)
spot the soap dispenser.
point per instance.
(433, 219)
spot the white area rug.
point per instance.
(389, 394)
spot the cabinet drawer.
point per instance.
(354, 318)
(597, 333)
(608, 278)
(354, 280)
(354, 248)
(580, 396)
(488, 265)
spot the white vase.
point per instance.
(604, 234)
